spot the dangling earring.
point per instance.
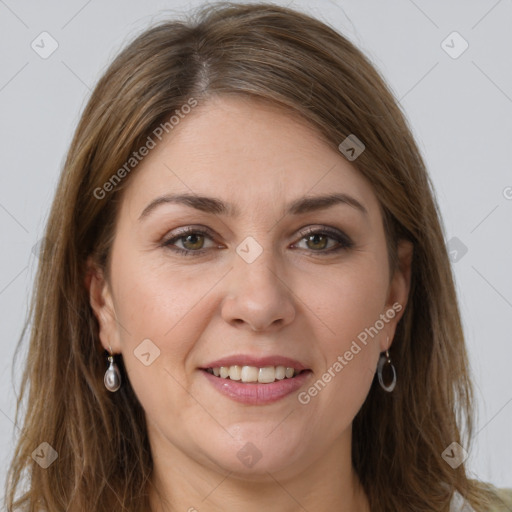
(385, 359)
(112, 377)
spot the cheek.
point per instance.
(349, 304)
(349, 359)
(156, 300)
(345, 300)
(158, 323)
(161, 320)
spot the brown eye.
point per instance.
(316, 240)
(193, 241)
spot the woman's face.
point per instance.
(249, 286)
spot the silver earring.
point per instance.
(112, 377)
(385, 359)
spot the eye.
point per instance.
(192, 240)
(317, 240)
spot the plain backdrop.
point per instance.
(459, 106)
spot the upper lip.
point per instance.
(248, 360)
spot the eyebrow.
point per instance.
(216, 206)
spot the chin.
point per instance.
(256, 450)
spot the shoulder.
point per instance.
(503, 502)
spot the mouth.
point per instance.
(256, 385)
(256, 380)
(255, 374)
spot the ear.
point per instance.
(100, 298)
(398, 293)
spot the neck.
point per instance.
(180, 483)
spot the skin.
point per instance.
(289, 301)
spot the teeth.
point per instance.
(235, 372)
(249, 374)
(264, 375)
(280, 372)
(267, 374)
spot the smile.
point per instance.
(254, 374)
(251, 391)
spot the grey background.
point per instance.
(460, 111)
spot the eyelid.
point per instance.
(337, 233)
(193, 228)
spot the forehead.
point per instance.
(247, 152)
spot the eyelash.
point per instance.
(342, 239)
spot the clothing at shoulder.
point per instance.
(504, 504)
(505, 496)
(459, 504)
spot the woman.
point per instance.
(245, 299)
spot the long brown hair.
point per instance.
(289, 59)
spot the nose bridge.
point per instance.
(257, 294)
(256, 265)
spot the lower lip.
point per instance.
(257, 394)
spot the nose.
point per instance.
(259, 297)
